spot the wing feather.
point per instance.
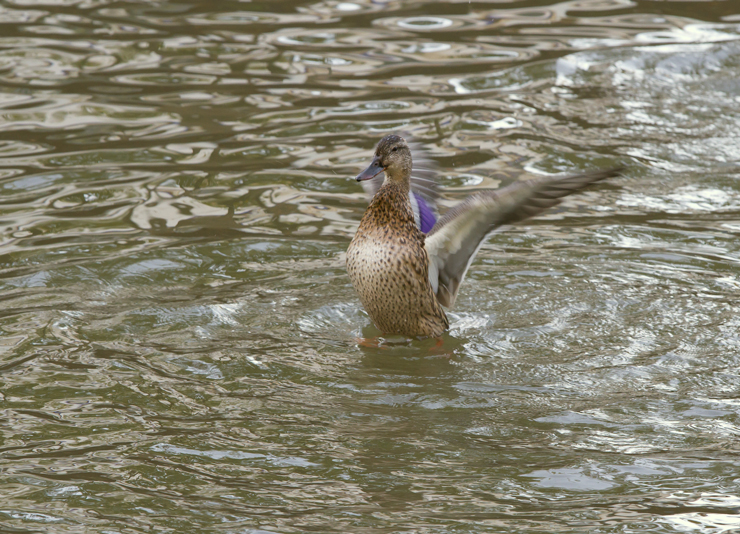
(456, 237)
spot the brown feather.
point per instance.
(404, 277)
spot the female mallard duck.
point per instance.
(405, 264)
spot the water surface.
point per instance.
(178, 336)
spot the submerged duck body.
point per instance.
(404, 263)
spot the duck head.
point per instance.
(392, 156)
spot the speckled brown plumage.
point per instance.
(404, 276)
(389, 267)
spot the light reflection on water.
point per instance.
(179, 339)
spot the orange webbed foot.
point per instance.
(370, 342)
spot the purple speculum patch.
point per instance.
(426, 215)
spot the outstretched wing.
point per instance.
(424, 190)
(457, 236)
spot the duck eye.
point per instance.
(394, 149)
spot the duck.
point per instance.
(406, 263)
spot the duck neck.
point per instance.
(396, 190)
(391, 205)
(401, 185)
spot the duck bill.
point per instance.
(372, 170)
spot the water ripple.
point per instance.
(179, 342)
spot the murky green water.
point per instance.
(178, 336)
